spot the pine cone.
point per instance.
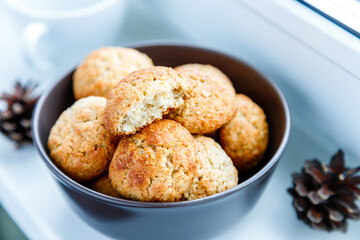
(324, 195)
(15, 121)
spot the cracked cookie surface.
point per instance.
(79, 143)
(207, 69)
(212, 104)
(215, 170)
(156, 164)
(245, 137)
(104, 68)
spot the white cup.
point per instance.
(52, 32)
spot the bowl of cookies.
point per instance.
(161, 141)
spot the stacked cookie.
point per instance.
(137, 131)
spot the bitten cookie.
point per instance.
(212, 105)
(144, 96)
(156, 164)
(246, 137)
(103, 185)
(79, 143)
(215, 170)
(104, 68)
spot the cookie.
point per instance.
(245, 137)
(156, 164)
(205, 68)
(215, 170)
(212, 104)
(103, 185)
(104, 68)
(144, 96)
(79, 143)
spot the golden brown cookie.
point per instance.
(212, 105)
(205, 68)
(156, 164)
(103, 185)
(246, 137)
(144, 96)
(79, 143)
(215, 170)
(104, 68)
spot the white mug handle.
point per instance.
(32, 37)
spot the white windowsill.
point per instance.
(312, 29)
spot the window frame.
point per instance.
(340, 16)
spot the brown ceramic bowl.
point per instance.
(201, 218)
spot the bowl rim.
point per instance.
(60, 176)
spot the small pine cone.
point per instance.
(324, 195)
(15, 121)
